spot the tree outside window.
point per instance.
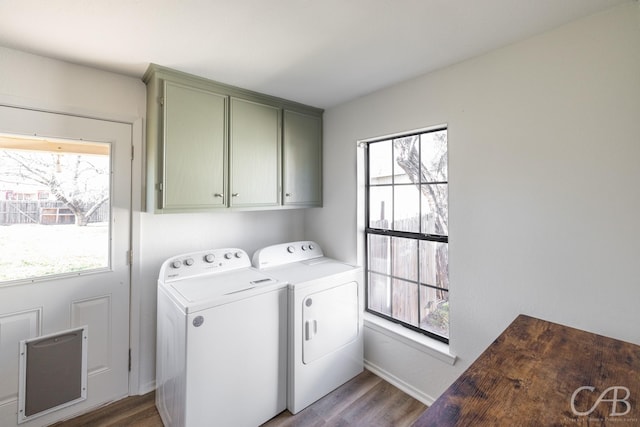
(54, 207)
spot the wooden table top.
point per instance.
(538, 373)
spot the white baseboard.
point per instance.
(147, 388)
(397, 382)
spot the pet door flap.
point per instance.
(53, 373)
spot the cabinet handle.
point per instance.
(288, 194)
(218, 195)
(234, 195)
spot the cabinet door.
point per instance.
(194, 148)
(302, 164)
(255, 154)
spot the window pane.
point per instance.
(434, 264)
(435, 209)
(406, 160)
(434, 310)
(379, 293)
(405, 258)
(433, 152)
(380, 164)
(54, 205)
(380, 205)
(405, 301)
(379, 254)
(406, 208)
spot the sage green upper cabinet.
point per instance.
(255, 154)
(212, 146)
(194, 148)
(302, 159)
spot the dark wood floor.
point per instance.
(138, 411)
(365, 401)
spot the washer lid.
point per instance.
(209, 287)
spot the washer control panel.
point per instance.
(203, 262)
(285, 253)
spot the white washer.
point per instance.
(325, 318)
(221, 341)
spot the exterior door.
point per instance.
(66, 263)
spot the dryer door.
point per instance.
(329, 320)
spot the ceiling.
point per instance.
(318, 52)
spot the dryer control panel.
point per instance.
(204, 262)
(286, 253)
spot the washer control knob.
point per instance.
(188, 262)
(176, 264)
(228, 255)
(238, 254)
(311, 247)
(304, 248)
(209, 258)
(291, 249)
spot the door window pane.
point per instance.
(54, 207)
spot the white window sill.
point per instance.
(416, 340)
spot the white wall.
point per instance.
(33, 81)
(544, 149)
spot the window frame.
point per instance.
(416, 236)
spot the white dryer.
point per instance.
(325, 318)
(221, 341)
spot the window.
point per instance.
(54, 207)
(406, 231)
